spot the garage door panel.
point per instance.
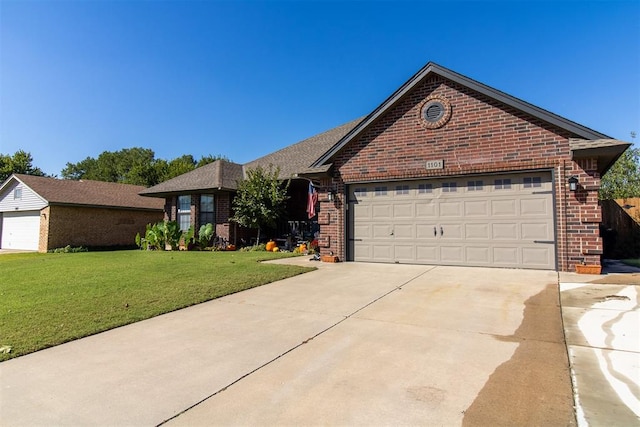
(536, 256)
(362, 232)
(501, 222)
(476, 208)
(361, 211)
(505, 256)
(450, 209)
(503, 207)
(426, 231)
(478, 255)
(404, 210)
(504, 231)
(427, 254)
(362, 251)
(451, 231)
(382, 211)
(426, 210)
(452, 254)
(403, 231)
(382, 252)
(381, 231)
(404, 253)
(535, 206)
(477, 231)
(536, 231)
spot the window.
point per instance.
(207, 212)
(360, 192)
(449, 187)
(17, 194)
(184, 212)
(381, 191)
(474, 185)
(402, 189)
(425, 188)
(502, 184)
(534, 182)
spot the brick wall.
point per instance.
(482, 136)
(86, 226)
(223, 212)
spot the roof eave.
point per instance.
(606, 155)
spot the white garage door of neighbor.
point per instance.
(495, 220)
(20, 230)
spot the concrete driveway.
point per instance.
(350, 343)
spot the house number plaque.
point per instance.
(435, 164)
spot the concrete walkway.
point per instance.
(601, 319)
(351, 343)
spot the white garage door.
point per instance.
(497, 220)
(20, 230)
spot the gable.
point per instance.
(479, 131)
(429, 71)
(24, 199)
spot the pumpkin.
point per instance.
(276, 249)
(270, 245)
(303, 247)
(231, 247)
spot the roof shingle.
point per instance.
(89, 193)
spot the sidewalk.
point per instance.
(601, 315)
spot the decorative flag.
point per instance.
(311, 201)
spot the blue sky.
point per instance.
(244, 78)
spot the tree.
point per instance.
(133, 166)
(260, 199)
(20, 162)
(623, 179)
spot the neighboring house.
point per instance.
(38, 213)
(446, 171)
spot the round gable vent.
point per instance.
(435, 111)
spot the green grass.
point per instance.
(634, 262)
(49, 299)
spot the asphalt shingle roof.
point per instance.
(297, 158)
(221, 174)
(90, 193)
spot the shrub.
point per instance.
(68, 250)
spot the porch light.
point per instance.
(331, 195)
(573, 183)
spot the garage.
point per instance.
(502, 220)
(20, 230)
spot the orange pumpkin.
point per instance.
(270, 245)
(303, 247)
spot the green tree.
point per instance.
(20, 162)
(623, 179)
(133, 166)
(260, 199)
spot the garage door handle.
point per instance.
(550, 242)
(441, 231)
(435, 232)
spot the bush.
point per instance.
(262, 247)
(68, 250)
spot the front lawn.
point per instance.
(48, 299)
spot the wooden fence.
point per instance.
(620, 228)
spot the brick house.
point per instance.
(445, 171)
(38, 213)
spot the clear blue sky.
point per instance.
(244, 78)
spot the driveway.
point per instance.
(350, 343)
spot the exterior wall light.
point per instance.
(331, 195)
(573, 183)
